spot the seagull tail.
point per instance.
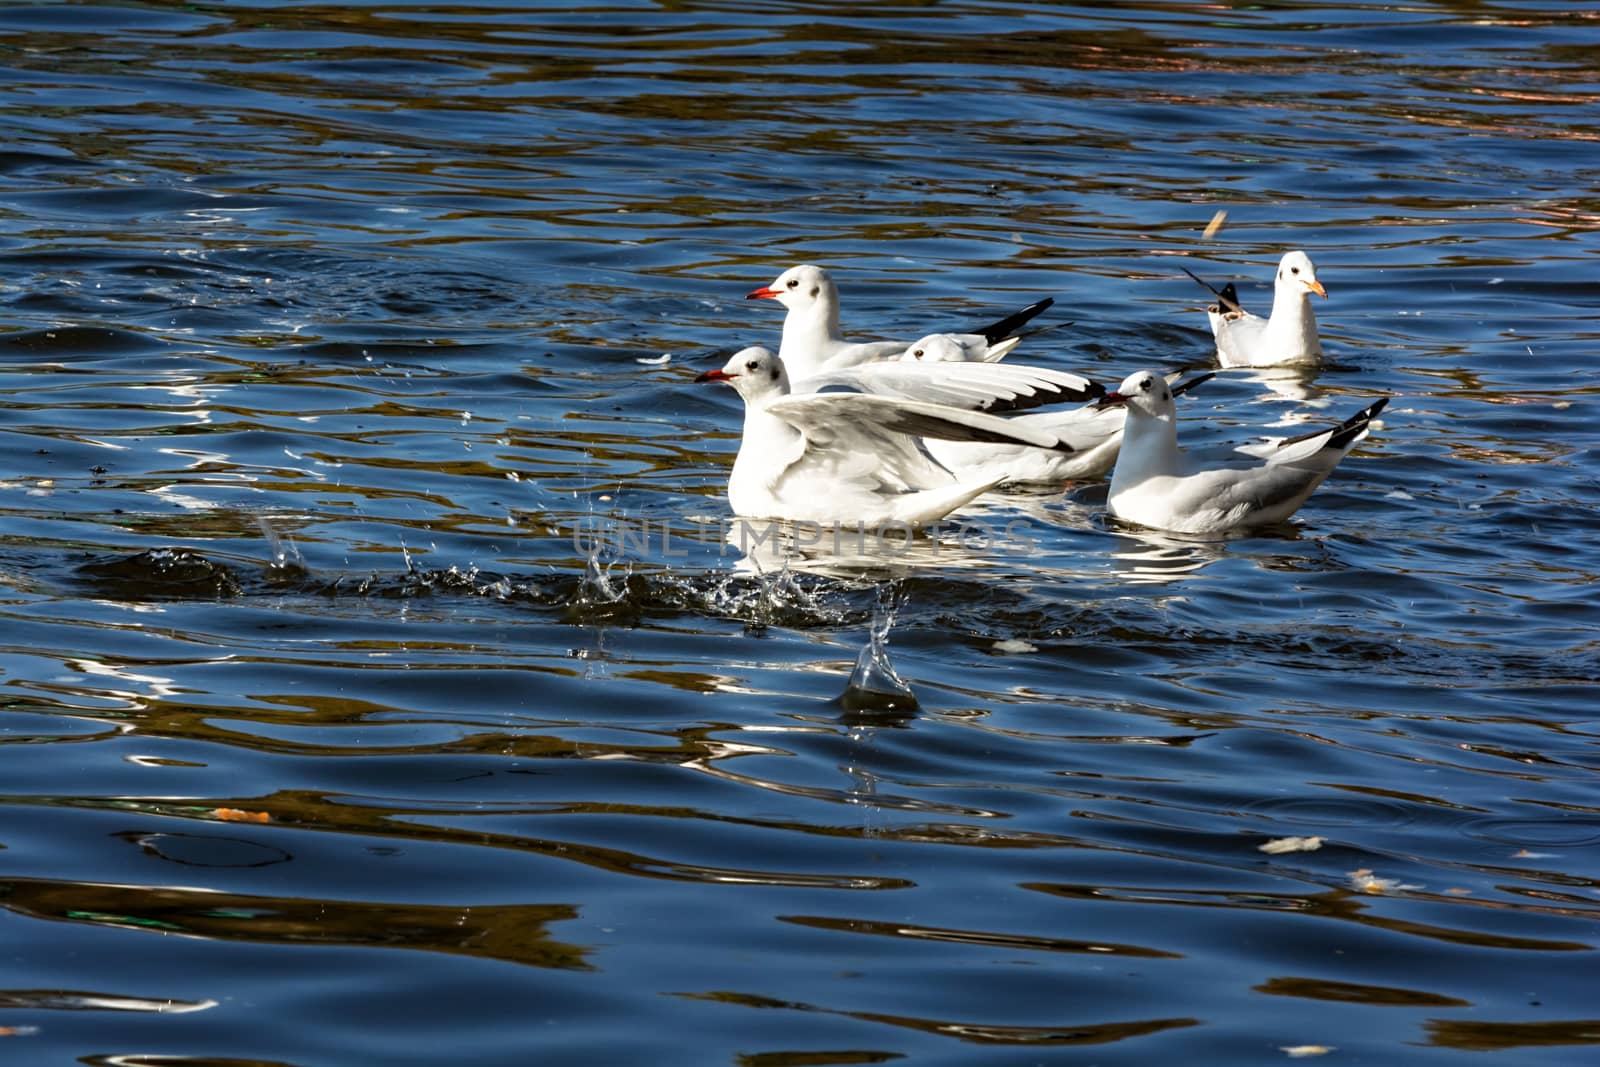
(1327, 446)
(931, 505)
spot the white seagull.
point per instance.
(813, 343)
(849, 458)
(968, 347)
(1156, 483)
(1289, 335)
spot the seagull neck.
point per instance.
(1292, 318)
(811, 329)
(1149, 445)
(764, 446)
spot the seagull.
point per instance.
(1288, 336)
(969, 347)
(813, 343)
(1156, 483)
(850, 458)
(958, 348)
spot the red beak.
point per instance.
(766, 292)
(717, 375)
(1110, 400)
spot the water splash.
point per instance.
(874, 685)
(598, 586)
(286, 557)
(609, 592)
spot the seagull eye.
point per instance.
(1146, 384)
(752, 365)
(917, 354)
(1294, 270)
(794, 283)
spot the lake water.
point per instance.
(331, 352)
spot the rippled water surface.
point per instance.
(380, 685)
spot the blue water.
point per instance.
(377, 683)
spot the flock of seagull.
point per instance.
(872, 433)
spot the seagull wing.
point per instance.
(1000, 330)
(990, 387)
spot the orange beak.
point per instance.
(718, 375)
(766, 292)
(1316, 287)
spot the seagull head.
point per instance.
(755, 374)
(798, 287)
(1299, 274)
(1146, 392)
(935, 348)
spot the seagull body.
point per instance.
(958, 348)
(1157, 483)
(813, 343)
(1289, 335)
(850, 458)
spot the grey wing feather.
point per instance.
(871, 415)
(988, 387)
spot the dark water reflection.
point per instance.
(383, 681)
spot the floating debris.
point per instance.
(663, 358)
(1367, 882)
(1214, 225)
(1297, 1051)
(240, 815)
(1014, 645)
(1278, 846)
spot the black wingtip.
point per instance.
(1347, 431)
(1192, 383)
(920, 425)
(1227, 296)
(1028, 335)
(1042, 395)
(1356, 424)
(996, 332)
(1204, 284)
(1228, 300)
